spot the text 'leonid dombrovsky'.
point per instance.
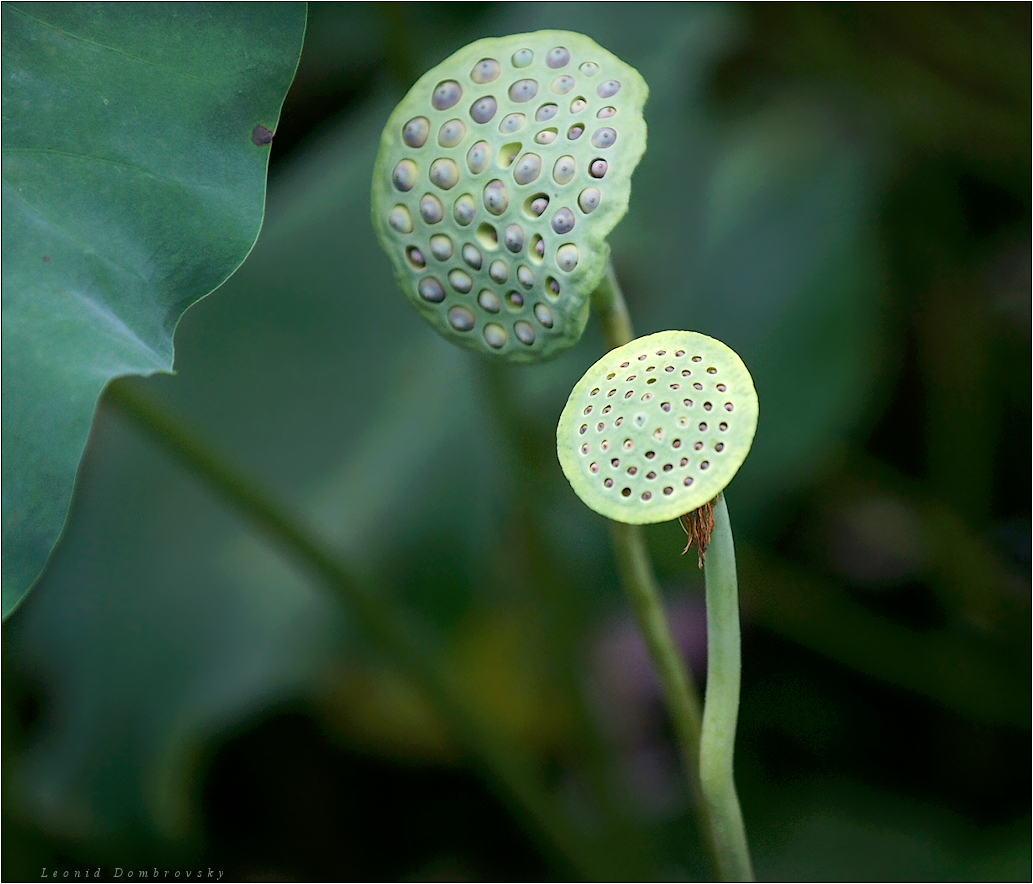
(147, 874)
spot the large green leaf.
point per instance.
(136, 139)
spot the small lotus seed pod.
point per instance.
(546, 112)
(430, 209)
(670, 460)
(441, 247)
(512, 123)
(523, 90)
(514, 238)
(478, 157)
(446, 94)
(489, 300)
(464, 210)
(528, 168)
(483, 110)
(405, 175)
(496, 197)
(472, 256)
(564, 170)
(444, 173)
(451, 133)
(487, 70)
(487, 221)
(557, 57)
(415, 132)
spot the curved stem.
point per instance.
(404, 640)
(721, 712)
(706, 749)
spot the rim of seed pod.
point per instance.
(498, 179)
(658, 427)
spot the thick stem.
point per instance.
(403, 640)
(721, 712)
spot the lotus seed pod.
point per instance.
(498, 179)
(658, 427)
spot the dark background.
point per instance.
(839, 192)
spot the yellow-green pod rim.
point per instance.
(498, 179)
(658, 427)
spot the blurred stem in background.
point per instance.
(707, 749)
(395, 633)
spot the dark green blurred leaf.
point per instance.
(133, 185)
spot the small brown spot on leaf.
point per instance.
(260, 135)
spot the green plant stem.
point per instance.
(721, 710)
(706, 748)
(403, 640)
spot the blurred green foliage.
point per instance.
(841, 193)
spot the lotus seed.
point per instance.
(430, 209)
(495, 335)
(537, 247)
(546, 112)
(536, 205)
(707, 406)
(608, 89)
(489, 300)
(441, 246)
(523, 90)
(606, 112)
(578, 105)
(512, 123)
(451, 133)
(525, 276)
(721, 388)
(472, 256)
(478, 156)
(401, 220)
(552, 287)
(563, 221)
(444, 173)
(524, 332)
(431, 290)
(543, 314)
(528, 169)
(589, 68)
(575, 132)
(720, 446)
(482, 110)
(522, 58)
(415, 132)
(564, 170)
(485, 71)
(464, 210)
(604, 138)
(562, 85)
(514, 238)
(546, 136)
(460, 281)
(597, 169)
(697, 358)
(498, 271)
(722, 426)
(496, 198)
(729, 406)
(558, 57)
(415, 257)
(446, 94)
(567, 257)
(460, 319)
(514, 301)
(405, 175)
(588, 201)
(608, 483)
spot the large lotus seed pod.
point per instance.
(658, 427)
(498, 179)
